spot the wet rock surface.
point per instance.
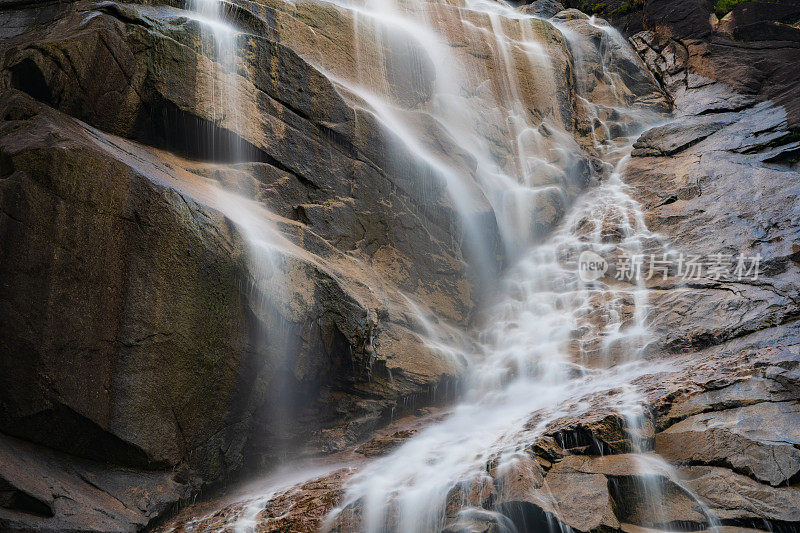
(720, 182)
(46, 490)
(546, 486)
(727, 164)
(752, 46)
(128, 338)
(132, 330)
(720, 419)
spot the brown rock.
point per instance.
(756, 440)
(384, 444)
(735, 498)
(47, 491)
(582, 499)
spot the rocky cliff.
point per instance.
(148, 351)
(133, 331)
(720, 175)
(751, 45)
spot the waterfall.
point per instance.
(267, 246)
(268, 249)
(528, 365)
(504, 112)
(547, 341)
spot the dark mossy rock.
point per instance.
(125, 327)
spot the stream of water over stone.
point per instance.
(472, 95)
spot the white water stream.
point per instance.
(547, 343)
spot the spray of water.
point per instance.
(270, 254)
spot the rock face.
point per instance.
(719, 178)
(41, 489)
(139, 363)
(722, 176)
(151, 278)
(719, 426)
(139, 327)
(752, 46)
(687, 482)
(132, 332)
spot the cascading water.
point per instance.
(471, 96)
(546, 329)
(527, 367)
(268, 249)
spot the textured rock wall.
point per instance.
(753, 46)
(721, 402)
(132, 326)
(137, 326)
